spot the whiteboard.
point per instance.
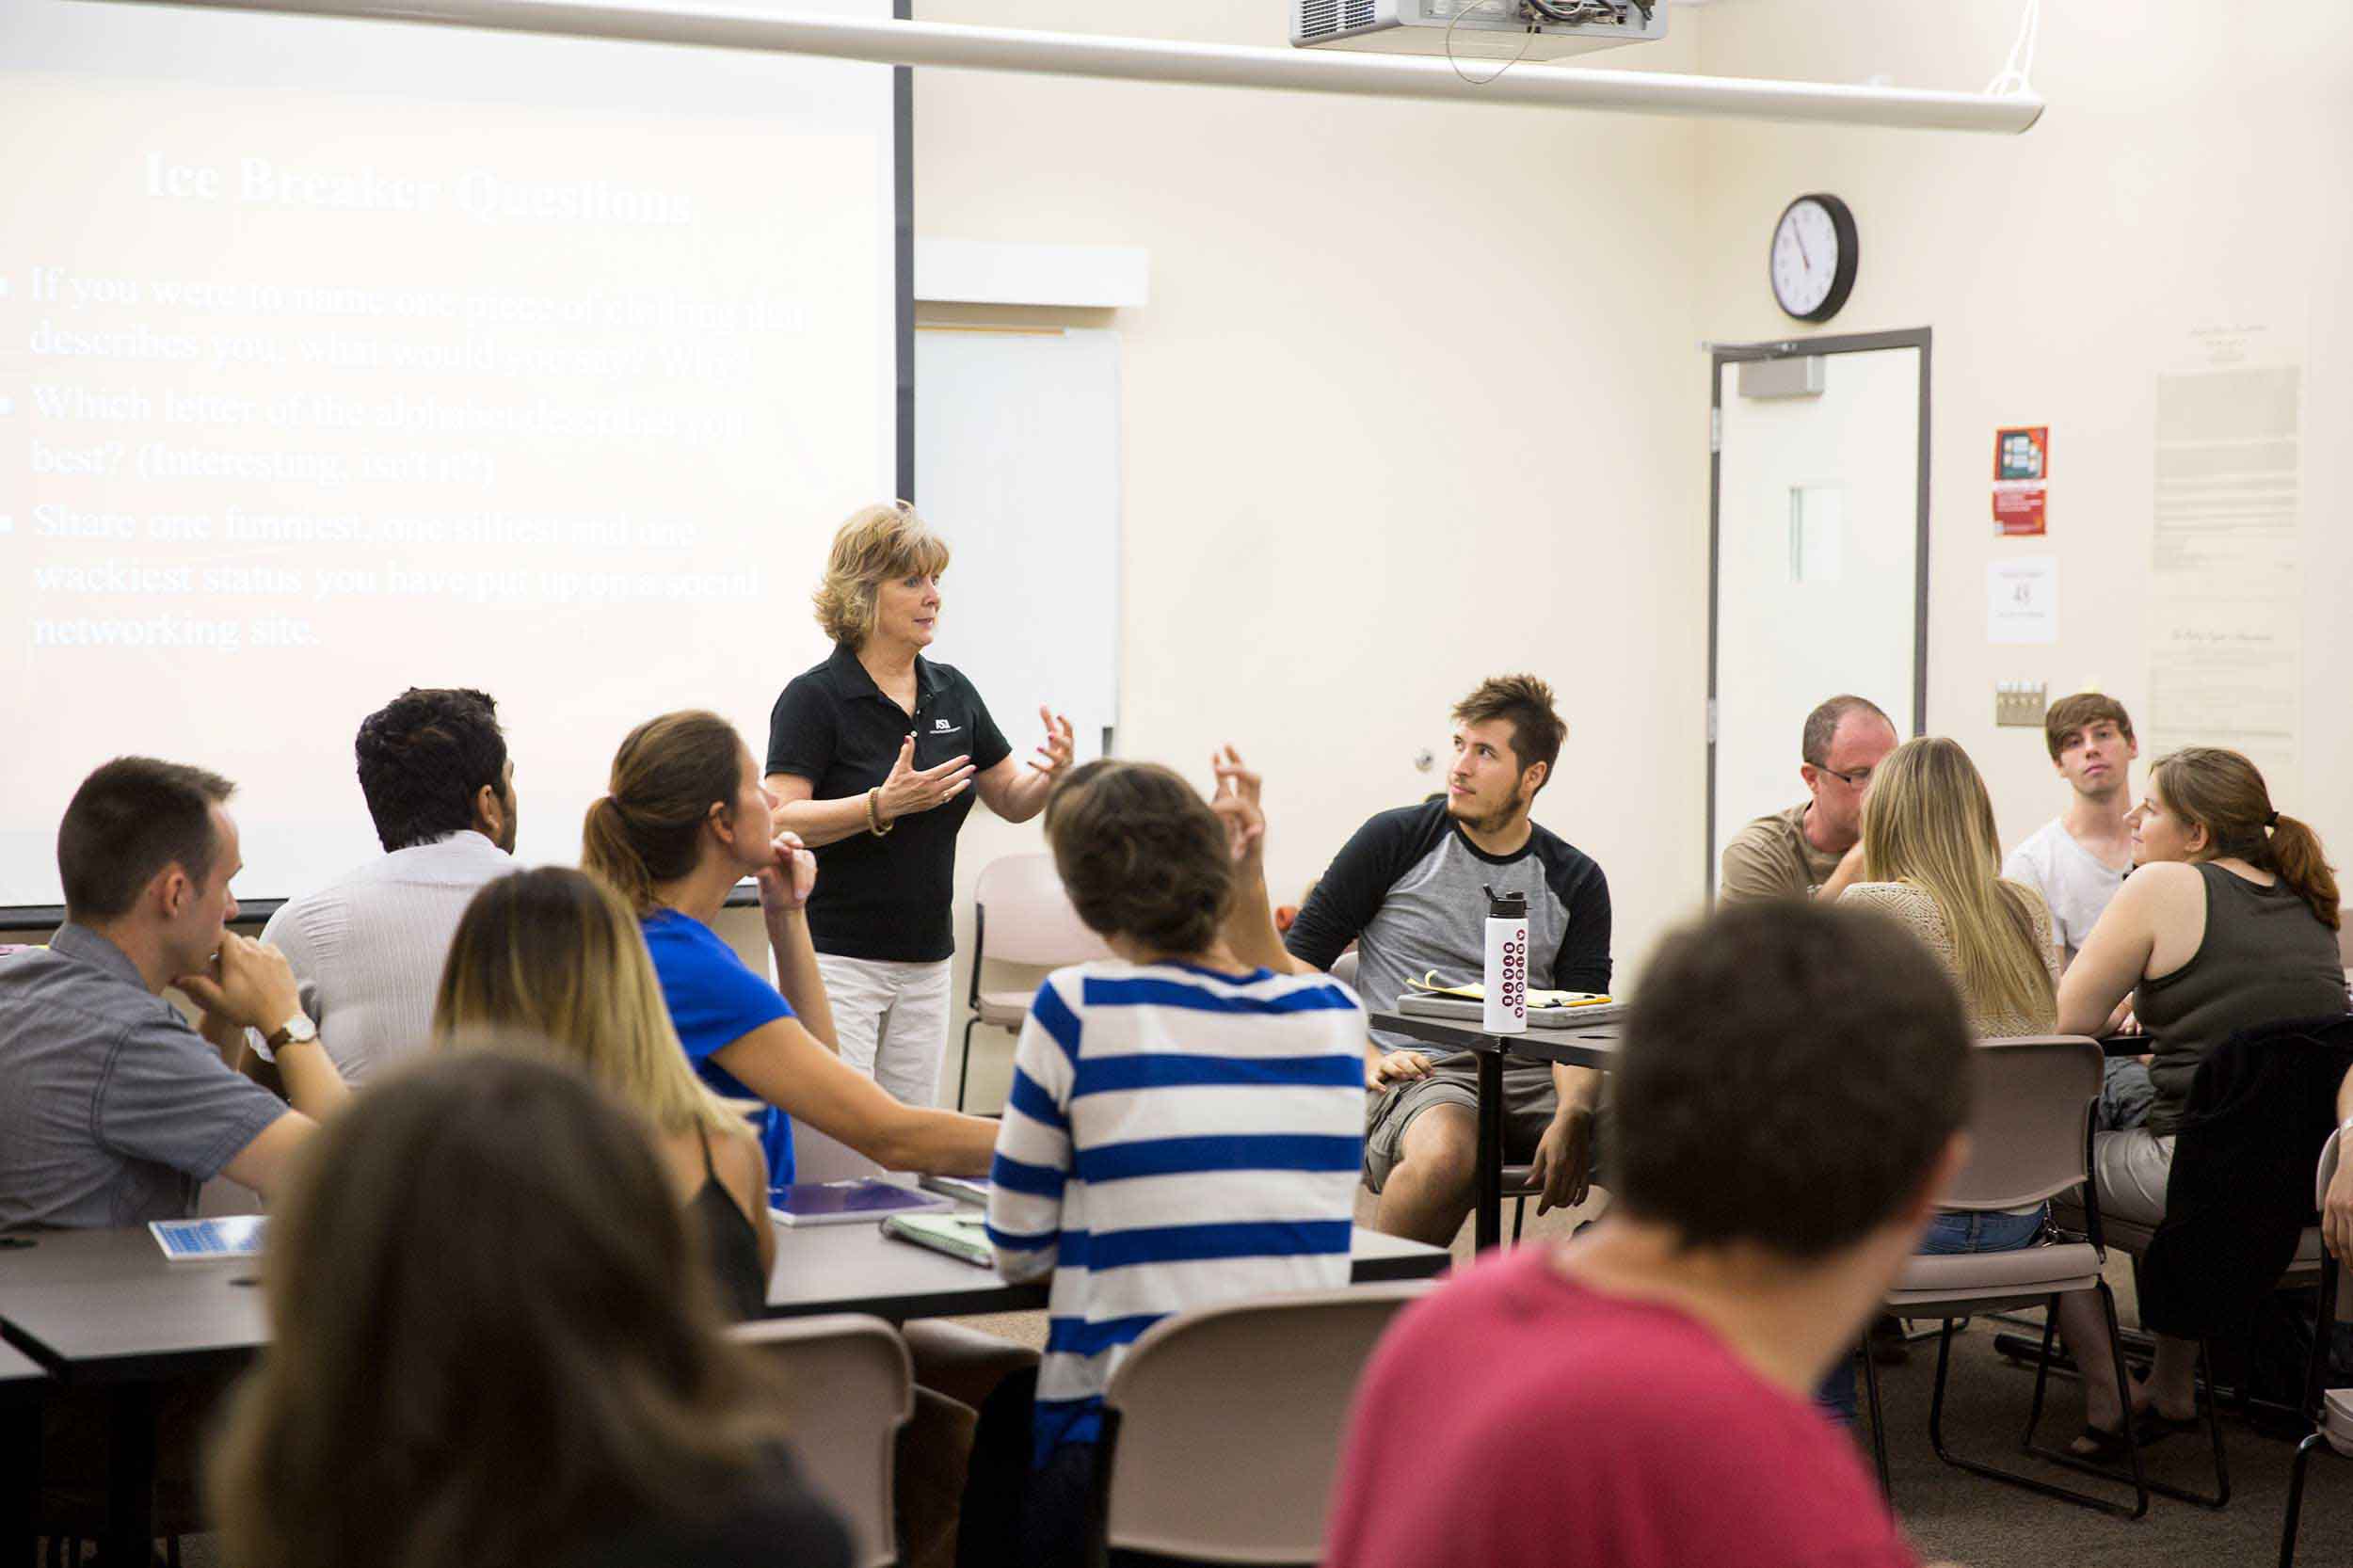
(1017, 466)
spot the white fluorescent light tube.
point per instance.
(958, 47)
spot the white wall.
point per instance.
(2185, 170)
(1384, 435)
(1415, 401)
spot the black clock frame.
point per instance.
(1849, 256)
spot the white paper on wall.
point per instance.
(2226, 661)
(2022, 599)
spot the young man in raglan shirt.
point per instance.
(1410, 891)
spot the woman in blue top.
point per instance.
(686, 817)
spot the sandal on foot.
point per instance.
(2106, 1444)
(2152, 1425)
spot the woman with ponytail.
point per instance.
(685, 819)
(2228, 922)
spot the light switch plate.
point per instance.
(2021, 704)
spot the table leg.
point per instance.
(1488, 1189)
(20, 1474)
(131, 1474)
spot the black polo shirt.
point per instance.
(892, 897)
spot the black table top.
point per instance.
(105, 1305)
(1594, 1045)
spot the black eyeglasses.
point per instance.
(1856, 779)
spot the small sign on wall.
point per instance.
(2022, 600)
(2022, 472)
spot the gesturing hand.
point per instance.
(1236, 804)
(786, 882)
(910, 789)
(1060, 745)
(248, 983)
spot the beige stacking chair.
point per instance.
(2030, 1140)
(1021, 915)
(852, 1388)
(2331, 1410)
(1222, 1428)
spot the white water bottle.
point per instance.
(1506, 981)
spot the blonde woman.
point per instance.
(1931, 861)
(874, 758)
(1931, 858)
(552, 956)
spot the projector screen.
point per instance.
(338, 357)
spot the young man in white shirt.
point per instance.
(2077, 861)
(368, 947)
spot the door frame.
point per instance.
(1722, 354)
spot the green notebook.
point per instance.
(959, 1236)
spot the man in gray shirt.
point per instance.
(113, 1111)
(1409, 891)
(368, 947)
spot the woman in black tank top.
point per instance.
(731, 1243)
(551, 962)
(2227, 923)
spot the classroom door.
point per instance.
(1819, 555)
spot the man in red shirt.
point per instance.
(1789, 1103)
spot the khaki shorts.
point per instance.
(1528, 1107)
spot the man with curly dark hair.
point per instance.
(1409, 891)
(368, 947)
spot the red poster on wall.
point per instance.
(2022, 472)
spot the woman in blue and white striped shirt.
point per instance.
(1185, 1125)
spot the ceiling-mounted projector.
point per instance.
(1480, 29)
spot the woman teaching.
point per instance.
(875, 755)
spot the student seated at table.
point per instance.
(113, 1111)
(550, 959)
(685, 819)
(1185, 1121)
(1410, 891)
(2228, 922)
(1931, 859)
(1810, 850)
(491, 1345)
(1929, 856)
(1637, 1396)
(368, 946)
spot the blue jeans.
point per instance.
(1947, 1234)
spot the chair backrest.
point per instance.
(1344, 969)
(1027, 917)
(2026, 1131)
(850, 1388)
(1229, 1422)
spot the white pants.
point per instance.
(891, 1019)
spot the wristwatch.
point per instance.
(297, 1030)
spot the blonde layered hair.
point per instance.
(876, 544)
(1929, 824)
(555, 954)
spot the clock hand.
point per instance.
(1803, 260)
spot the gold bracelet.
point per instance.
(874, 823)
